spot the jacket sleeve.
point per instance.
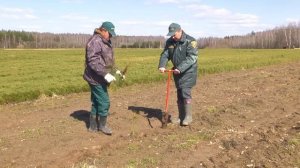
(93, 57)
(191, 56)
(164, 58)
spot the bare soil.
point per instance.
(248, 118)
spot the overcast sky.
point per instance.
(199, 18)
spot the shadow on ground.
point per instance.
(149, 113)
(82, 115)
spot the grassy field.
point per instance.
(28, 74)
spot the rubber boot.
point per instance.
(188, 114)
(103, 127)
(93, 123)
(176, 120)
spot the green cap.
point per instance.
(173, 28)
(109, 27)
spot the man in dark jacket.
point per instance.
(99, 60)
(182, 50)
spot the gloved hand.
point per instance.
(176, 71)
(109, 78)
(120, 73)
(162, 69)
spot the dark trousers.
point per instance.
(184, 95)
(100, 100)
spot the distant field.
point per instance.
(27, 74)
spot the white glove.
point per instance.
(109, 78)
(119, 72)
(162, 69)
(176, 71)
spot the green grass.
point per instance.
(212, 109)
(143, 163)
(28, 74)
(295, 140)
(224, 60)
(188, 141)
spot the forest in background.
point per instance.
(23, 39)
(279, 37)
(283, 37)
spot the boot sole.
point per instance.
(185, 124)
(106, 133)
(90, 130)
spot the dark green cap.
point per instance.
(173, 28)
(109, 27)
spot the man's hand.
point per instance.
(162, 69)
(109, 78)
(176, 71)
(120, 73)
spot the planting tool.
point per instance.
(124, 72)
(165, 116)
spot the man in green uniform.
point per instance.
(182, 50)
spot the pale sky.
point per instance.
(199, 18)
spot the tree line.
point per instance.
(279, 37)
(22, 39)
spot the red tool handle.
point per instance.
(165, 116)
(168, 88)
(169, 70)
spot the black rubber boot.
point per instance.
(93, 123)
(181, 114)
(188, 114)
(103, 127)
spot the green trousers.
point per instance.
(100, 100)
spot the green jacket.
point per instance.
(184, 55)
